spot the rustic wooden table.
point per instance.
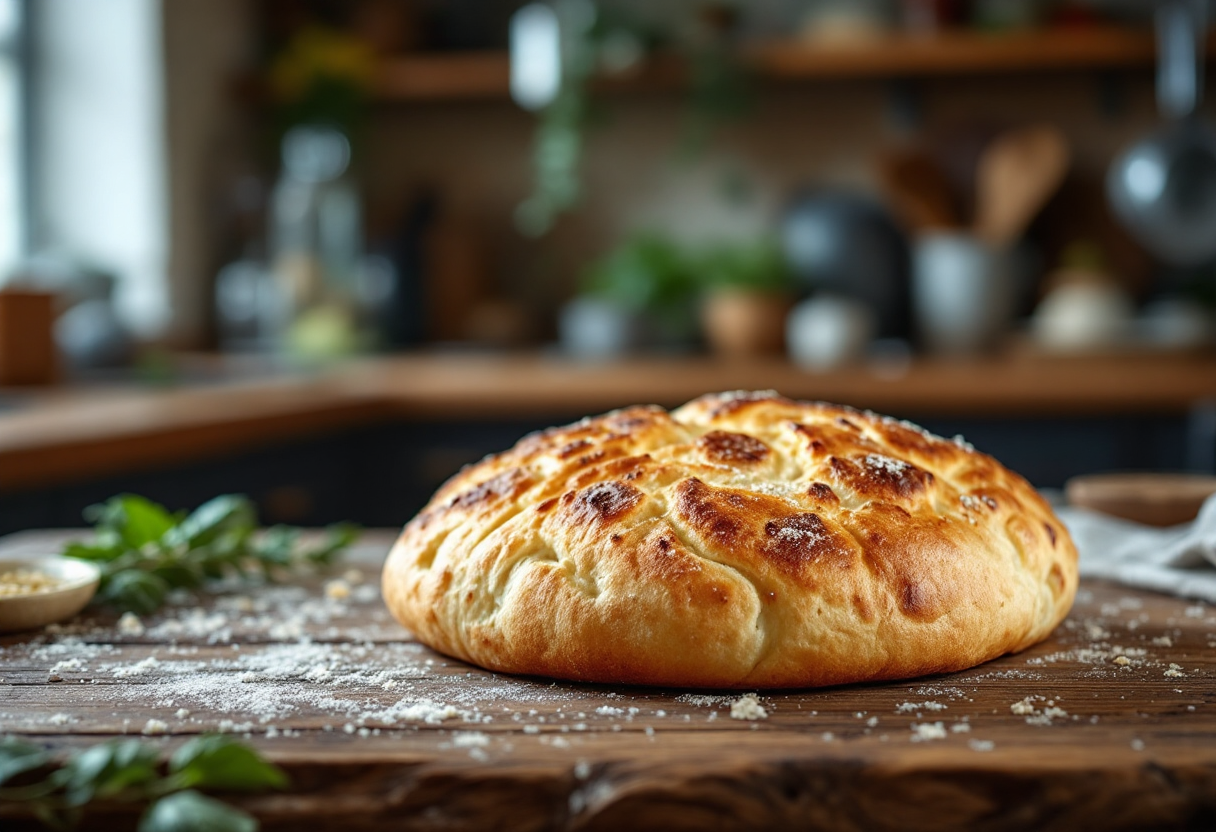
(378, 732)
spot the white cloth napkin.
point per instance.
(1180, 560)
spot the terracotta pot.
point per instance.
(27, 344)
(739, 322)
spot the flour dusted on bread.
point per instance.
(742, 540)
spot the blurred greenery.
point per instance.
(646, 273)
(321, 76)
(144, 551)
(757, 266)
(605, 40)
(650, 274)
(130, 771)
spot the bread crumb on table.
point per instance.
(154, 727)
(338, 590)
(747, 707)
(926, 731)
(130, 625)
(1022, 708)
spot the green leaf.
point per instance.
(212, 519)
(18, 757)
(178, 575)
(277, 545)
(145, 552)
(107, 770)
(338, 537)
(135, 590)
(94, 551)
(53, 817)
(190, 811)
(137, 520)
(217, 762)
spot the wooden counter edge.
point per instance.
(48, 445)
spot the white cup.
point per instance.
(828, 331)
(962, 292)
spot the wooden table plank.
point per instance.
(382, 733)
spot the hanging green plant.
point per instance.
(719, 88)
(321, 76)
(598, 41)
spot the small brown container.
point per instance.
(27, 342)
(742, 323)
(1156, 499)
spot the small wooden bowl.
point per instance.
(78, 581)
(1155, 499)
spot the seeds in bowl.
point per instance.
(26, 582)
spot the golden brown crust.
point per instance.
(743, 540)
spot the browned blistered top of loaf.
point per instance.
(742, 540)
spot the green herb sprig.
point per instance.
(144, 551)
(130, 771)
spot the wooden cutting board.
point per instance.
(378, 732)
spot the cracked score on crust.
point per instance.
(741, 540)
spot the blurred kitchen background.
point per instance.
(325, 252)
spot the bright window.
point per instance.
(12, 214)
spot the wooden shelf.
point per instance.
(958, 53)
(480, 75)
(444, 76)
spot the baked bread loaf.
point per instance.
(742, 540)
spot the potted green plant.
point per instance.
(747, 296)
(641, 295)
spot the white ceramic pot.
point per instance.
(828, 331)
(1081, 316)
(595, 329)
(962, 292)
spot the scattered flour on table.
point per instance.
(470, 739)
(141, 668)
(916, 707)
(1038, 716)
(68, 666)
(704, 700)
